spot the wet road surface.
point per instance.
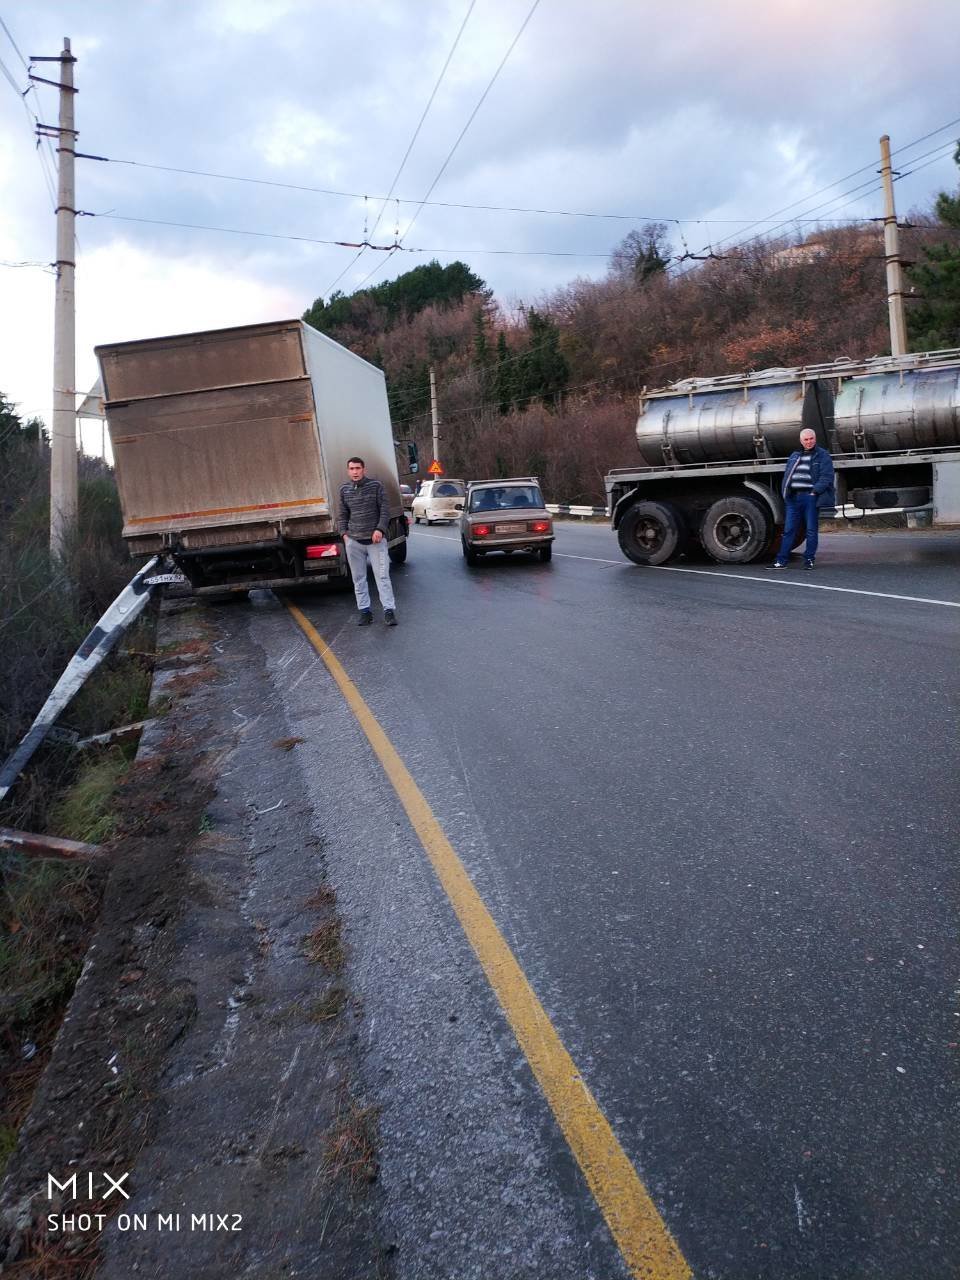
(713, 813)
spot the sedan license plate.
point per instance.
(509, 528)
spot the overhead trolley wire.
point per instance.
(461, 136)
(42, 153)
(347, 244)
(524, 209)
(850, 195)
(410, 145)
(907, 146)
(432, 204)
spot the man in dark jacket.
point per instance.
(808, 488)
(362, 519)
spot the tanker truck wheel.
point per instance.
(652, 533)
(736, 530)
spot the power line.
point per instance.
(44, 266)
(436, 204)
(560, 213)
(42, 153)
(346, 244)
(462, 134)
(32, 121)
(410, 145)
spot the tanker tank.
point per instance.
(910, 409)
(889, 404)
(699, 421)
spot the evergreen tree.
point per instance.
(505, 375)
(393, 301)
(13, 428)
(482, 355)
(935, 322)
(408, 392)
(542, 372)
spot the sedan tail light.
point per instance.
(320, 551)
(539, 526)
(482, 530)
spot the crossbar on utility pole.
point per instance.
(891, 248)
(63, 434)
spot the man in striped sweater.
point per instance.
(362, 519)
(808, 488)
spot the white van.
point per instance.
(439, 500)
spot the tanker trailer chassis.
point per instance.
(714, 452)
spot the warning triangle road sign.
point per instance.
(435, 468)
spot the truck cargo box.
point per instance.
(239, 438)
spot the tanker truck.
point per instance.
(230, 447)
(713, 452)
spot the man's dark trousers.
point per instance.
(801, 513)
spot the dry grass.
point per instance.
(324, 946)
(323, 899)
(350, 1145)
(327, 1007)
(287, 744)
(74, 1257)
(189, 681)
(196, 648)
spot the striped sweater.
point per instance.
(362, 508)
(801, 481)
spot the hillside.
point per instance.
(552, 390)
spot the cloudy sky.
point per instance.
(715, 113)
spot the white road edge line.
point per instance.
(749, 577)
(775, 582)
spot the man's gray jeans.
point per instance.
(376, 554)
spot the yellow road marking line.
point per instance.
(641, 1235)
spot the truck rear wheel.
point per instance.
(398, 553)
(652, 532)
(736, 530)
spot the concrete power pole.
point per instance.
(434, 415)
(63, 456)
(891, 246)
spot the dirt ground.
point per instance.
(207, 1062)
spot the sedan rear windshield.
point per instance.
(502, 499)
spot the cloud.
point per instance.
(295, 135)
(252, 17)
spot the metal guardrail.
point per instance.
(125, 609)
(566, 509)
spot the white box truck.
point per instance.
(230, 447)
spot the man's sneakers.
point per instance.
(808, 564)
(776, 565)
(365, 617)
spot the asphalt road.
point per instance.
(714, 813)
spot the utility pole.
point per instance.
(891, 247)
(434, 415)
(63, 436)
